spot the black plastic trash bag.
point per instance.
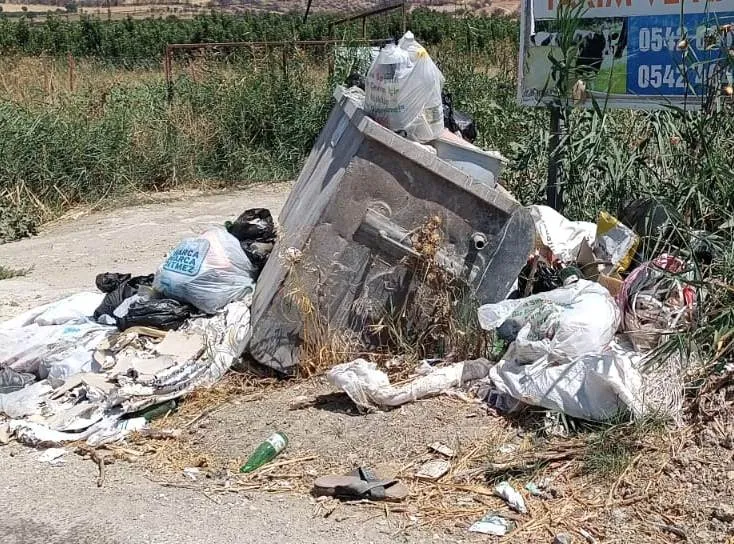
(355, 79)
(124, 290)
(254, 225)
(109, 281)
(457, 121)
(165, 314)
(537, 277)
(255, 230)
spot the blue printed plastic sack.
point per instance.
(208, 272)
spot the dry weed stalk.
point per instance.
(322, 346)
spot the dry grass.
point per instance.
(168, 456)
(47, 80)
(322, 345)
(6, 273)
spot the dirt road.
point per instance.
(66, 257)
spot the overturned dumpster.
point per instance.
(345, 232)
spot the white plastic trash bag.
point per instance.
(563, 324)
(208, 272)
(595, 386)
(562, 236)
(403, 91)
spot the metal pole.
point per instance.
(554, 187)
(167, 66)
(402, 9)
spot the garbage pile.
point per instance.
(96, 366)
(574, 311)
(576, 331)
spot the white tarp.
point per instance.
(56, 340)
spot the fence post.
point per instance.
(71, 62)
(402, 9)
(167, 69)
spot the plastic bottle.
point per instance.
(265, 452)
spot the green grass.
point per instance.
(610, 449)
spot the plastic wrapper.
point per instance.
(207, 272)
(615, 242)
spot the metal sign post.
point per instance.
(555, 182)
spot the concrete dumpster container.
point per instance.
(345, 231)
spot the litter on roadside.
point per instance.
(52, 456)
(265, 452)
(361, 483)
(513, 498)
(492, 524)
(97, 366)
(433, 470)
(370, 388)
(443, 449)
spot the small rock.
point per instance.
(730, 475)
(724, 512)
(300, 402)
(563, 538)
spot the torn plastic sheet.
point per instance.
(561, 357)
(56, 340)
(225, 339)
(594, 387)
(565, 357)
(370, 388)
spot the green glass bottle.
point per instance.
(265, 452)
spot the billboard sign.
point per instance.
(628, 53)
